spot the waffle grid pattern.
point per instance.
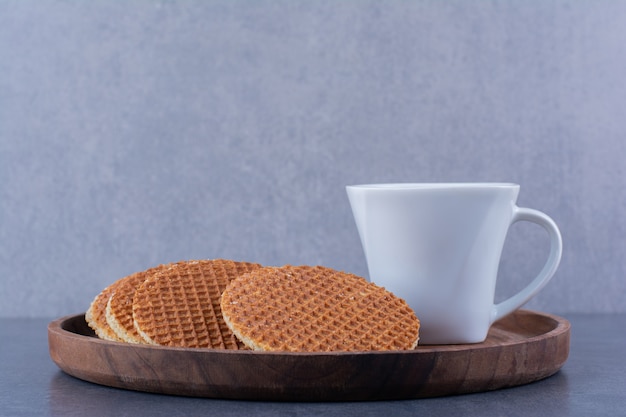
(180, 306)
(119, 310)
(316, 309)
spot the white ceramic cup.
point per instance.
(438, 246)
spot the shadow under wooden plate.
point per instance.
(521, 348)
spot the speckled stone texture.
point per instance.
(143, 132)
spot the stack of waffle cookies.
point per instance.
(224, 304)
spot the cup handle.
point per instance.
(556, 249)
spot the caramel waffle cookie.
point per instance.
(95, 316)
(308, 309)
(180, 305)
(119, 309)
(111, 314)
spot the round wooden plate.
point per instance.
(521, 348)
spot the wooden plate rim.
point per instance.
(561, 330)
(562, 325)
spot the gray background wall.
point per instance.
(137, 133)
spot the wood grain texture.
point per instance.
(521, 348)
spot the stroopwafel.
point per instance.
(180, 305)
(316, 309)
(119, 309)
(95, 316)
(111, 315)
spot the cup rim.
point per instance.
(433, 185)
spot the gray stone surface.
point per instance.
(143, 132)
